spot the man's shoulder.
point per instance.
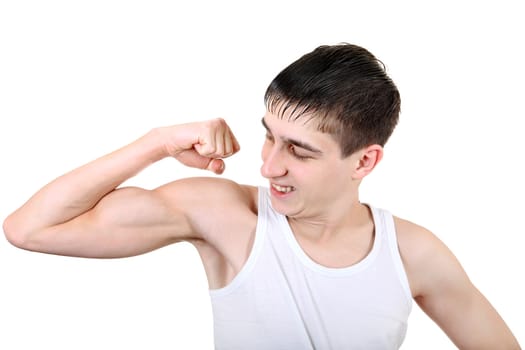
(408, 230)
(422, 252)
(415, 241)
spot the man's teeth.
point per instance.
(284, 189)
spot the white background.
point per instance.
(82, 78)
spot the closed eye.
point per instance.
(298, 155)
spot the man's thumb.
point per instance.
(216, 165)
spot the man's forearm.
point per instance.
(76, 192)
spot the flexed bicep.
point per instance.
(126, 222)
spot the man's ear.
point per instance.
(367, 159)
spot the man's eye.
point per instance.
(297, 155)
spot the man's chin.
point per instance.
(283, 208)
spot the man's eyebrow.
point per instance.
(297, 143)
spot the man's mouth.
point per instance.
(283, 189)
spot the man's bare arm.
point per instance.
(444, 292)
(82, 213)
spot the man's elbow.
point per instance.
(14, 233)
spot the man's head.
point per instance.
(344, 90)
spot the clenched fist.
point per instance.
(200, 145)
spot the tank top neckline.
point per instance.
(265, 207)
(307, 261)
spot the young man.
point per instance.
(302, 264)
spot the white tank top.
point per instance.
(282, 299)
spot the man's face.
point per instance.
(307, 174)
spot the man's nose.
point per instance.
(273, 164)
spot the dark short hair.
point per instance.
(345, 89)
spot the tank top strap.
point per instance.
(388, 223)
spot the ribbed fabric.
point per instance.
(282, 299)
